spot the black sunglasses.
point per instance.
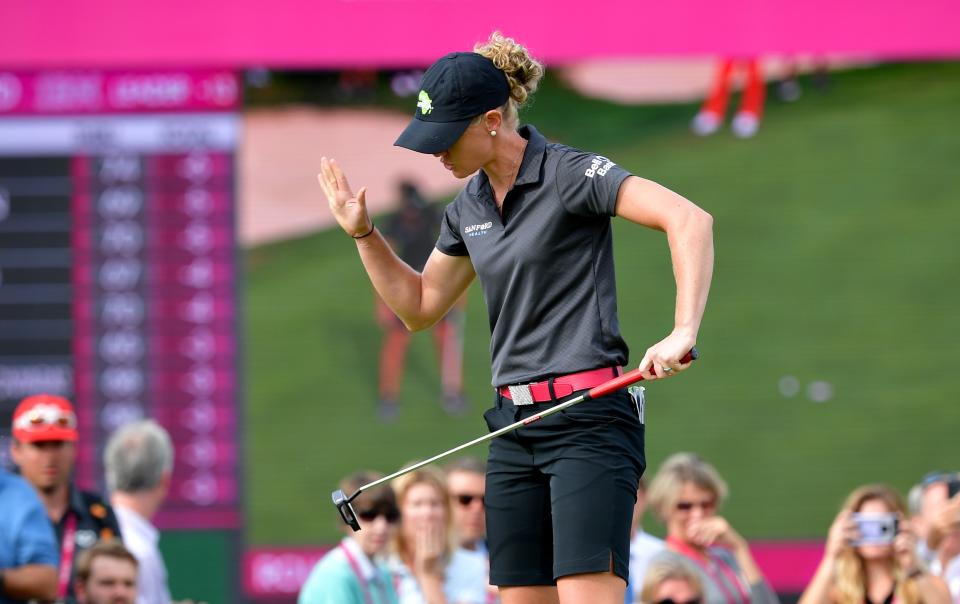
(467, 499)
(672, 601)
(390, 516)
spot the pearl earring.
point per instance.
(493, 133)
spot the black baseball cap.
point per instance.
(454, 90)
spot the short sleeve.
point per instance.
(330, 585)
(588, 184)
(36, 542)
(450, 241)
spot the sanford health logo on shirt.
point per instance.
(475, 230)
(599, 165)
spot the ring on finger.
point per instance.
(667, 369)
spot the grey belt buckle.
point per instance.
(520, 394)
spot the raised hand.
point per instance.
(842, 532)
(349, 210)
(713, 530)
(429, 547)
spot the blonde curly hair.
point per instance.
(523, 71)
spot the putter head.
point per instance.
(346, 510)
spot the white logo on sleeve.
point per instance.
(475, 230)
(599, 165)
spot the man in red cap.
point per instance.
(44, 449)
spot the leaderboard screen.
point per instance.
(118, 267)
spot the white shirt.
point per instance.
(141, 538)
(465, 579)
(643, 547)
(951, 575)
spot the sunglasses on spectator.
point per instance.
(391, 516)
(466, 499)
(686, 506)
(672, 601)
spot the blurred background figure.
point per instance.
(353, 572)
(466, 480)
(428, 568)
(28, 548)
(746, 121)
(671, 581)
(861, 564)
(935, 517)
(44, 449)
(686, 493)
(467, 483)
(106, 574)
(643, 547)
(358, 85)
(789, 89)
(138, 461)
(412, 232)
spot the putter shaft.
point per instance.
(603, 389)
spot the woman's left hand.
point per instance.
(714, 530)
(663, 358)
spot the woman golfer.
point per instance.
(534, 225)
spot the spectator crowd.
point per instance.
(422, 543)
(423, 535)
(61, 544)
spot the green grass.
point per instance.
(837, 260)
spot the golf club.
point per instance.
(342, 502)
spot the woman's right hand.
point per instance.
(428, 547)
(350, 210)
(842, 532)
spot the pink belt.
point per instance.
(558, 387)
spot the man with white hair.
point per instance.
(138, 461)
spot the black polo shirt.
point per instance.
(545, 265)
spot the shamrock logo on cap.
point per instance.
(424, 103)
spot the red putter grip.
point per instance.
(632, 377)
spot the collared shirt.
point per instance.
(142, 539)
(464, 579)
(26, 536)
(95, 522)
(643, 547)
(335, 580)
(546, 263)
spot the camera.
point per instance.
(875, 529)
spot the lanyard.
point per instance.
(67, 548)
(710, 565)
(363, 582)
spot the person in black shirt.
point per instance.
(534, 224)
(43, 448)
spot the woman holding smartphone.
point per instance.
(863, 564)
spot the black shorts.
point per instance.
(560, 492)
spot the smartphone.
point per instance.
(875, 529)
